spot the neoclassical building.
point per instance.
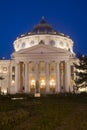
(42, 62)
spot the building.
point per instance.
(42, 62)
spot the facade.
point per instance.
(42, 62)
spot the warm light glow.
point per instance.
(33, 83)
(13, 73)
(3, 91)
(43, 83)
(52, 83)
(83, 89)
(13, 81)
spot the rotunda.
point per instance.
(42, 62)
(46, 33)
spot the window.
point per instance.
(52, 43)
(23, 44)
(32, 43)
(61, 43)
(13, 75)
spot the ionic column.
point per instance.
(37, 87)
(26, 77)
(17, 77)
(36, 71)
(47, 77)
(57, 78)
(67, 76)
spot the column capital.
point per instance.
(26, 62)
(47, 62)
(66, 61)
(17, 62)
(57, 62)
(36, 62)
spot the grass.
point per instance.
(49, 112)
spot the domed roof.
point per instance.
(43, 27)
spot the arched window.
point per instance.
(52, 43)
(41, 42)
(32, 43)
(61, 43)
(23, 44)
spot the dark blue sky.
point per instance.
(19, 16)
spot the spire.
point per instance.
(43, 21)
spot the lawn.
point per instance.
(49, 112)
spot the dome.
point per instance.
(43, 33)
(43, 27)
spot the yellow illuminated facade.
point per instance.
(42, 61)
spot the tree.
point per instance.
(81, 71)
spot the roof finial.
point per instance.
(43, 20)
(43, 17)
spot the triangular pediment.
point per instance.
(39, 49)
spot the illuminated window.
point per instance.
(43, 83)
(52, 83)
(13, 75)
(32, 83)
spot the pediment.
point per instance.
(39, 49)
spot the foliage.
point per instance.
(81, 71)
(52, 112)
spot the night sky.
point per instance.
(19, 16)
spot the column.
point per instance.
(36, 71)
(67, 76)
(57, 78)
(47, 77)
(37, 86)
(26, 77)
(17, 77)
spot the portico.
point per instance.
(53, 76)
